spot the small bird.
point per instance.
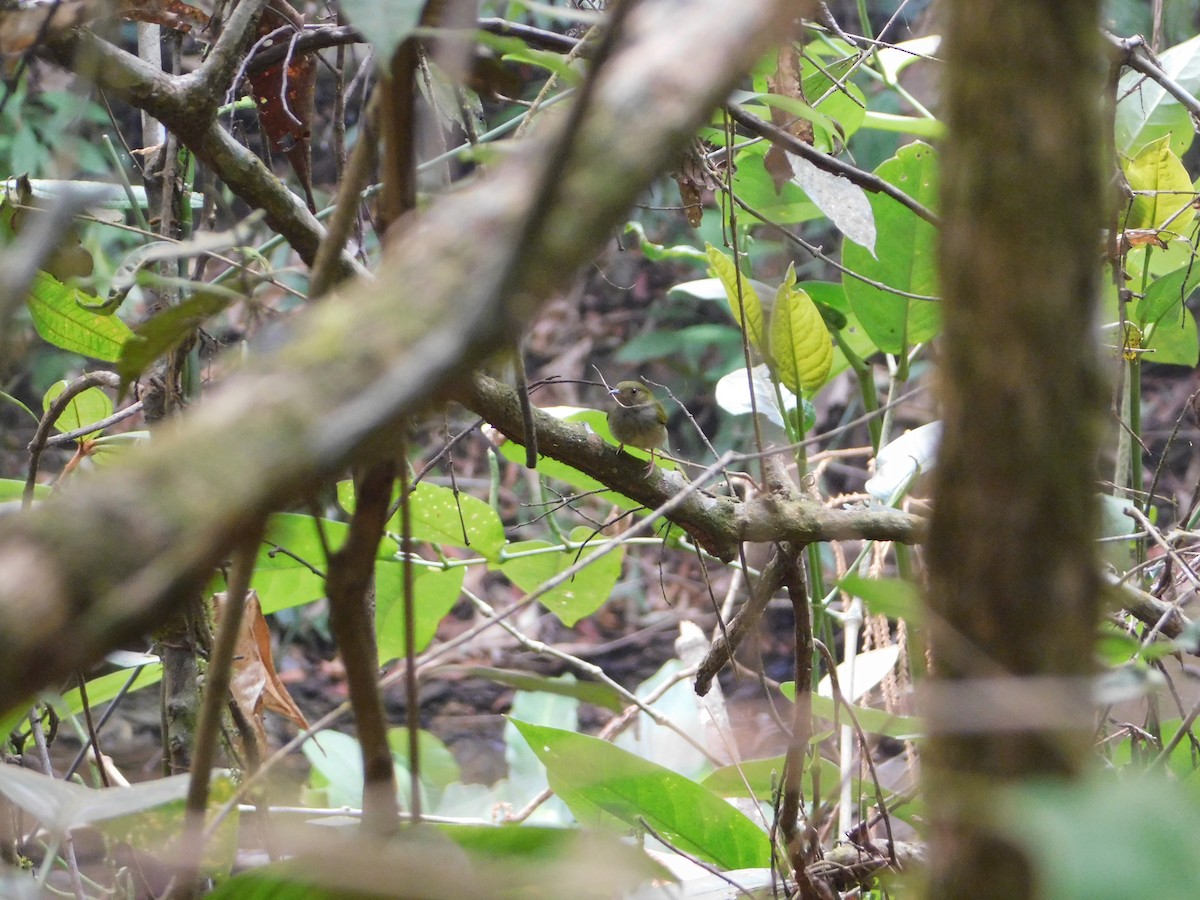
(637, 419)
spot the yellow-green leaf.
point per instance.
(1161, 188)
(801, 349)
(747, 310)
(60, 321)
(85, 408)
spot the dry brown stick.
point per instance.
(725, 645)
(799, 842)
(216, 693)
(350, 574)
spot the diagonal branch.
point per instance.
(826, 163)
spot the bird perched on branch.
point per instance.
(637, 418)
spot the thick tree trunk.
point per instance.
(1013, 585)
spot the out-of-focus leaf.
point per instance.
(165, 331)
(600, 782)
(62, 805)
(1146, 112)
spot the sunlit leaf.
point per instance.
(801, 352)
(82, 410)
(58, 318)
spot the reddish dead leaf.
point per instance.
(253, 681)
(173, 14)
(285, 93)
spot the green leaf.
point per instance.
(435, 592)
(83, 409)
(15, 402)
(801, 351)
(284, 573)
(1161, 188)
(386, 23)
(12, 489)
(581, 595)
(872, 721)
(1107, 837)
(440, 516)
(1174, 341)
(746, 309)
(1167, 293)
(761, 779)
(600, 782)
(905, 249)
(165, 331)
(1146, 112)
(891, 597)
(54, 308)
(106, 687)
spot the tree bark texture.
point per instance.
(1014, 590)
(101, 564)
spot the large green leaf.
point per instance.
(801, 351)
(1162, 188)
(435, 591)
(905, 259)
(291, 565)
(1146, 112)
(579, 596)
(440, 516)
(600, 782)
(1108, 837)
(60, 321)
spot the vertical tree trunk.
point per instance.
(1013, 585)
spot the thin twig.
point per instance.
(826, 163)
